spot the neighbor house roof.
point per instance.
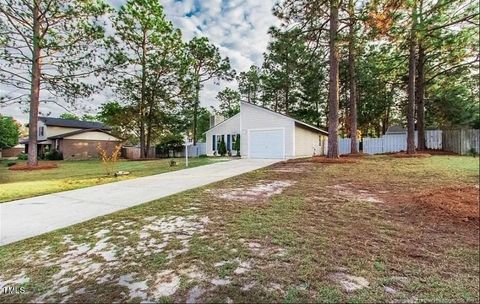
(71, 123)
(24, 141)
(396, 129)
(304, 124)
(60, 136)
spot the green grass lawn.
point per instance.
(294, 232)
(79, 174)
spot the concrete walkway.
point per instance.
(30, 217)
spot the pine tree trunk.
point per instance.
(149, 126)
(148, 141)
(421, 98)
(333, 83)
(287, 83)
(35, 89)
(317, 112)
(411, 84)
(142, 138)
(195, 112)
(142, 97)
(353, 79)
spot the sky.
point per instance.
(238, 27)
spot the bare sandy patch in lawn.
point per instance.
(115, 257)
(107, 254)
(348, 191)
(262, 190)
(348, 282)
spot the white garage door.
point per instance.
(266, 143)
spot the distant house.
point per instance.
(396, 130)
(75, 139)
(265, 134)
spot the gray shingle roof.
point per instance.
(396, 129)
(59, 136)
(70, 123)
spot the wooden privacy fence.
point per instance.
(134, 152)
(344, 146)
(373, 145)
(433, 139)
(193, 151)
(397, 143)
(461, 141)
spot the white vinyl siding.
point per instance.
(93, 135)
(230, 126)
(253, 117)
(54, 130)
(307, 142)
(296, 140)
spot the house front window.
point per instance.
(41, 131)
(219, 140)
(234, 140)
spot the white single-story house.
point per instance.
(266, 134)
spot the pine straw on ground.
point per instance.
(452, 202)
(358, 155)
(436, 152)
(26, 167)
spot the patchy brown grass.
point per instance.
(358, 155)
(331, 230)
(406, 155)
(339, 160)
(436, 152)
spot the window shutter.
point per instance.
(214, 143)
(228, 142)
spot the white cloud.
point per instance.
(238, 27)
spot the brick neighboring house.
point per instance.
(12, 152)
(75, 139)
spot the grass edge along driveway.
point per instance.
(72, 175)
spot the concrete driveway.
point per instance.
(30, 217)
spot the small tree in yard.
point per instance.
(9, 132)
(222, 149)
(109, 160)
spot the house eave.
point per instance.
(221, 123)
